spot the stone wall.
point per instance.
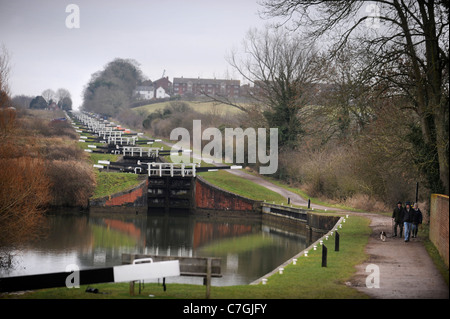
(439, 224)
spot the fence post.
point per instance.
(132, 282)
(324, 256)
(336, 242)
(208, 277)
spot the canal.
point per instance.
(249, 247)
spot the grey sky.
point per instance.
(187, 38)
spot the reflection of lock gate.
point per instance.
(139, 270)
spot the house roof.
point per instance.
(144, 88)
(205, 81)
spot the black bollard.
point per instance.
(324, 256)
(336, 242)
(417, 192)
(309, 203)
(289, 200)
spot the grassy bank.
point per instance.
(305, 280)
(240, 186)
(109, 183)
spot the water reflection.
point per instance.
(249, 248)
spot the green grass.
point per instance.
(109, 183)
(201, 107)
(424, 233)
(237, 185)
(305, 280)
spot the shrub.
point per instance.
(63, 152)
(24, 194)
(72, 182)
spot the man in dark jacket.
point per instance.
(397, 217)
(416, 220)
(407, 219)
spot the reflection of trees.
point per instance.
(66, 232)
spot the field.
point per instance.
(201, 107)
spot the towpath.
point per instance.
(405, 268)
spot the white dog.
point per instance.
(383, 236)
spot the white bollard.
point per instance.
(294, 261)
(281, 270)
(264, 281)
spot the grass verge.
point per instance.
(109, 183)
(240, 186)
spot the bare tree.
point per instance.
(49, 95)
(62, 93)
(408, 43)
(282, 72)
(4, 75)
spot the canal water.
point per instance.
(249, 247)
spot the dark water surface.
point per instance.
(248, 247)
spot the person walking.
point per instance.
(416, 220)
(407, 219)
(397, 219)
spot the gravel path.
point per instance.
(406, 271)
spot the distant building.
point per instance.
(159, 89)
(160, 93)
(145, 92)
(164, 83)
(200, 87)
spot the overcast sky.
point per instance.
(189, 38)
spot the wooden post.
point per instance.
(132, 282)
(208, 277)
(336, 242)
(131, 288)
(324, 256)
(417, 192)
